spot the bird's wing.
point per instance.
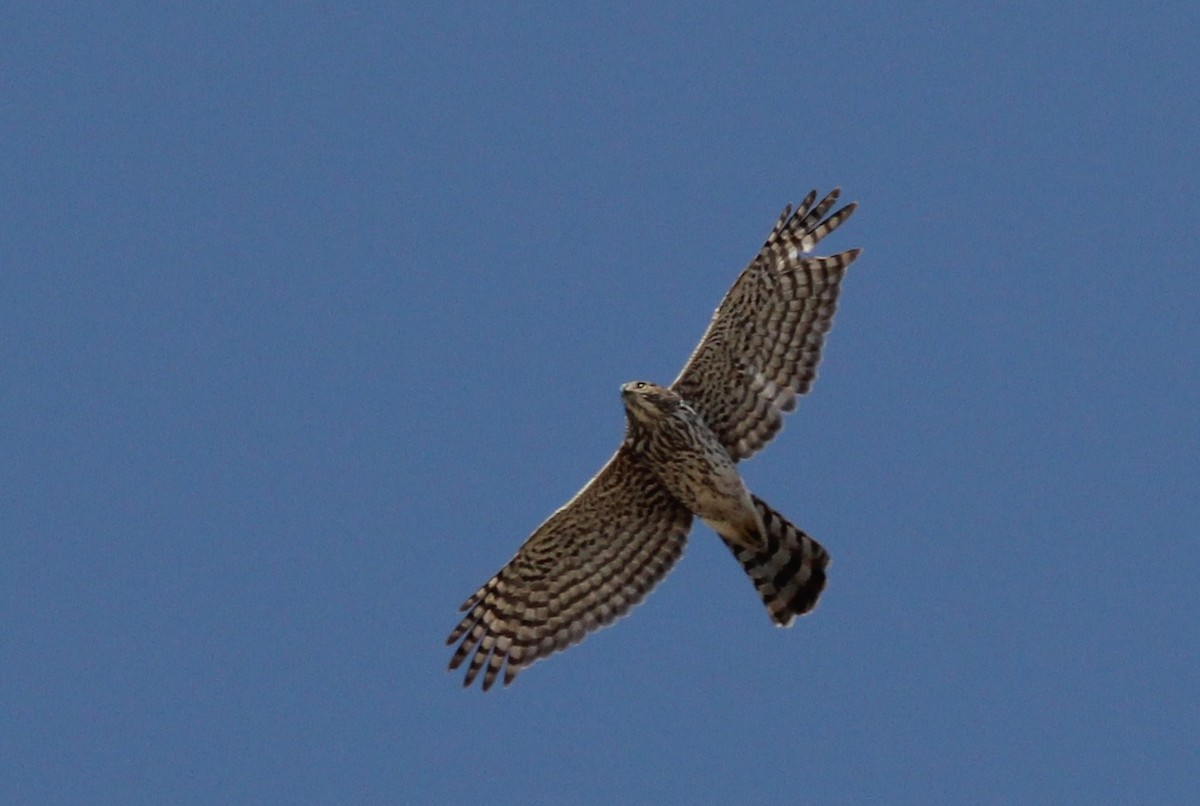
(764, 342)
(591, 561)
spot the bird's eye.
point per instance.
(640, 385)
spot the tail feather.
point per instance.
(789, 573)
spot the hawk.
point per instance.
(604, 550)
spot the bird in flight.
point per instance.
(607, 547)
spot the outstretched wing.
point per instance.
(594, 558)
(764, 342)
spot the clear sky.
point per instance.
(309, 316)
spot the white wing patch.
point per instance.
(770, 400)
(780, 398)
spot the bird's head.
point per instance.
(649, 402)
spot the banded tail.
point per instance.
(789, 573)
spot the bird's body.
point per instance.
(687, 457)
(602, 551)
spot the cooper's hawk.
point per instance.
(604, 550)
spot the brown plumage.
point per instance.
(607, 547)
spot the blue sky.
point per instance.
(309, 316)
